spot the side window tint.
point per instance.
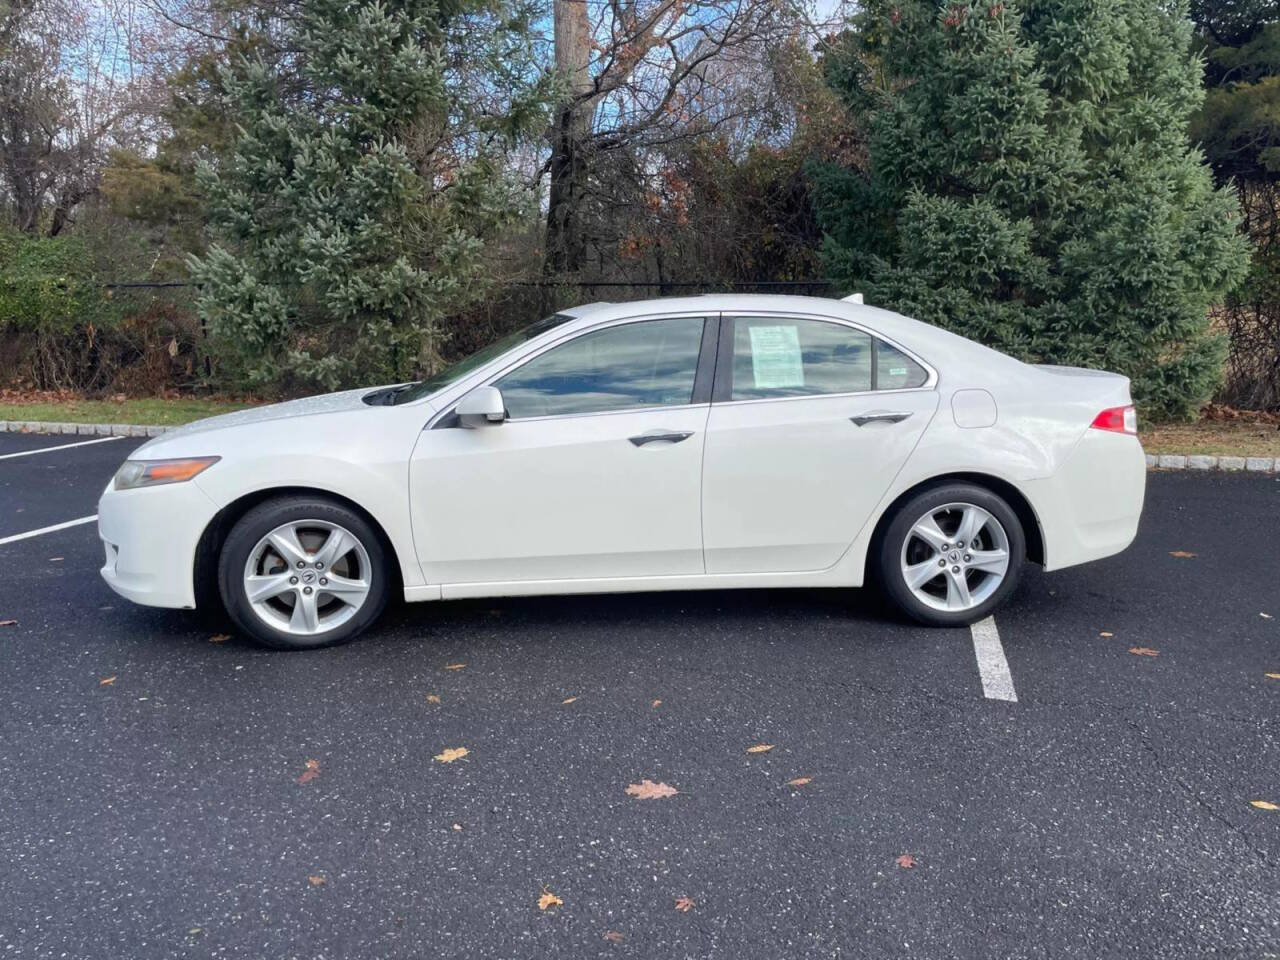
(781, 357)
(651, 363)
(896, 371)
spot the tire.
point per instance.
(962, 591)
(331, 546)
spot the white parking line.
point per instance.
(43, 530)
(61, 446)
(997, 682)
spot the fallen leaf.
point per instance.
(656, 704)
(8, 623)
(1144, 651)
(1266, 616)
(56, 559)
(454, 666)
(648, 790)
(549, 900)
(1181, 554)
(433, 698)
(1274, 676)
(106, 681)
(220, 638)
(316, 880)
(1106, 633)
(311, 772)
(452, 754)
(568, 700)
(684, 904)
(1264, 805)
(613, 936)
(760, 748)
(457, 827)
(906, 861)
(799, 781)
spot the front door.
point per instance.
(596, 473)
(812, 420)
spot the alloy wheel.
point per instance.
(307, 577)
(955, 557)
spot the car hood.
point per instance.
(306, 407)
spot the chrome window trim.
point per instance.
(489, 378)
(930, 383)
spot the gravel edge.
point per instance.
(1162, 461)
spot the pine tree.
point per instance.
(364, 184)
(1032, 186)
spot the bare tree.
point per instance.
(75, 83)
(640, 72)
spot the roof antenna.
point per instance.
(852, 298)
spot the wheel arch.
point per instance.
(204, 571)
(1017, 501)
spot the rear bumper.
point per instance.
(149, 537)
(1090, 508)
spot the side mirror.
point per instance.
(482, 407)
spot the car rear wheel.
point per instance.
(300, 573)
(951, 554)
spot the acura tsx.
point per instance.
(706, 442)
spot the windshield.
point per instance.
(457, 371)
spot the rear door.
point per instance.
(810, 422)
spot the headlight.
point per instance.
(151, 473)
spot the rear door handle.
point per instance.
(878, 416)
(644, 438)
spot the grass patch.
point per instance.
(160, 411)
(1230, 438)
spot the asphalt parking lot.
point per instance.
(215, 800)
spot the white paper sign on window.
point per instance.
(776, 360)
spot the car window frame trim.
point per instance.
(721, 391)
(702, 378)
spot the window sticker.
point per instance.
(897, 371)
(776, 360)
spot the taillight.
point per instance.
(1117, 420)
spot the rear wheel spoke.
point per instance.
(917, 575)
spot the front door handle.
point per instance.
(644, 438)
(880, 417)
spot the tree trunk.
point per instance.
(566, 247)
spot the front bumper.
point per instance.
(150, 536)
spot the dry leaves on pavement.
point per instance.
(656, 704)
(1106, 633)
(549, 900)
(8, 623)
(220, 638)
(1264, 805)
(452, 754)
(433, 698)
(567, 701)
(454, 666)
(1144, 652)
(317, 880)
(684, 904)
(648, 790)
(311, 771)
(799, 781)
(1274, 676)
(760, 748)
(107, 681)
(1181, 554)
(906, 861)
(613, 936)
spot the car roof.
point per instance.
(921, 338)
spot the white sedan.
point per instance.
(699, 443)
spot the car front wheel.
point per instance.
(951, 554)
(300, 573)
